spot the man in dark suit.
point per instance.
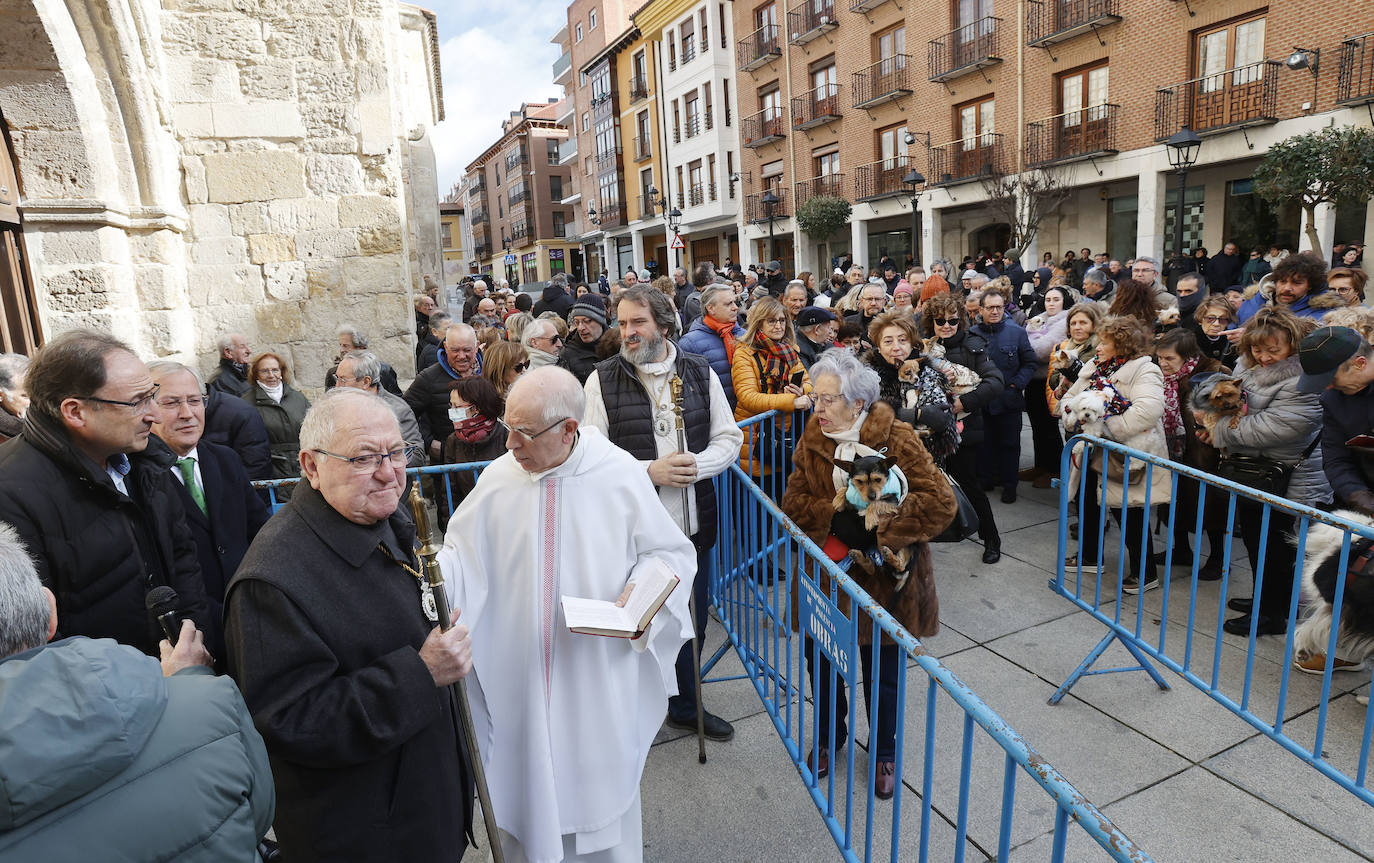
(222, 510)
(234, 423)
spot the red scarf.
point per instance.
(726, 331)
(776, 360)
(1173, 414)
(474, 429)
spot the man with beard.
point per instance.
(629, 399)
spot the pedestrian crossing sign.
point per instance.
(510, 259)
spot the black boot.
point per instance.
(992, 550)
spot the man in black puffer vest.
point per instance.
(89, 490)
(629, 398)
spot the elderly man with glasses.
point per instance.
(89, 490)
(333, 641)
(1146, 271)
(526, 544)
(542, 342)
(223, 511)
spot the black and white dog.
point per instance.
(1356, 632)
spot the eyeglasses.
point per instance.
(776, 321)
(137, 405)
(945, 322)
(532, 435)
(522, 367)
(1215, 319)
(369, 462)
(346, 379)
(993, 308)
(189, 401)
(1142, 269)
(554, 339)
(827, 400)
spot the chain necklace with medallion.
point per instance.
(427, 604)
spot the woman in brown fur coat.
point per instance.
(851, 421)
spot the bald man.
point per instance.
(428, 393)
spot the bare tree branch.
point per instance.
(1022, 201)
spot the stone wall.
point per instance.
(249, 174)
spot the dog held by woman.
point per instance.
(1355, 635)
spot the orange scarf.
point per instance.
(726, 331)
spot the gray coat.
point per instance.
(410, 429)
(1278, 424)
(143, 767)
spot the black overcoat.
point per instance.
(323, 635)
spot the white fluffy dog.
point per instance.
(1321, 566)
(1085, 413)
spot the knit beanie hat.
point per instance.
(590, 306)
(934, 287)
(903, 287)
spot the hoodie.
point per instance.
(553, 299)
(102, 758)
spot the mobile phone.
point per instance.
(797, 379)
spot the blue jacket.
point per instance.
(1010, 350)
(1313, 306)
(1344, 417)
(701, 340)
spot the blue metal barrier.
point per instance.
(762, 564)
(1141, 624)
(761, 557)
(446, 498)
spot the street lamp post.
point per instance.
(674, 222)
(1183, 147)
(505, 259)
(914, 181)
(770, 201)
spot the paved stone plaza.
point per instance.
(1179, 775)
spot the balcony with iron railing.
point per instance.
(692, 127)
(865, 5)
(696, 195)
(758, 48)
(681, 199)
(816, 107)
(648, 207)
(967, 49)
(1072, 135)
(643, 149)
(762, 128)
(706, 118)
(1233, 99)
(688, 52)
(481, 250)
(966, 159)
(810, 20)
(521, 229)
(1053, 21)
(519, 192)
(883, 81)
(479, 216)
(518, 159)
(1355, 74)
(478, 184)
(880, 179)
(677, 131)
(704, 43)
(829, 185)
(607, 157)
(756, 211)
(639, 87)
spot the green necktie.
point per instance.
(188, 473)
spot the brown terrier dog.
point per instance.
(1227, 398)
(867, 476)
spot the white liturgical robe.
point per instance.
(565, 721)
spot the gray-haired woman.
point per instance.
(851, 421)
(14, 398)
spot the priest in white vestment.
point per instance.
(564, 721)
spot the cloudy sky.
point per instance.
(495, 54)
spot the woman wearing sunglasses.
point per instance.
(502, 364)
(944, 320)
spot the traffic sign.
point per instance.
(510, 260)
(677, 242)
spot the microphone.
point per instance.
(162, 603)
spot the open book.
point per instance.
(653, 583)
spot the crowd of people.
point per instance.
(335, 717)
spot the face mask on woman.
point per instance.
(457, 415)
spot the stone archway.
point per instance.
(101, 205)
(20, 330)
